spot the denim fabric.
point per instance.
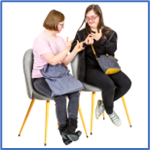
(59, 80)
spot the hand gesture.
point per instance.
(79, 47)
(97, 35)
(68, 44)
(89, 40)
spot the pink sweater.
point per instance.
(42, 45)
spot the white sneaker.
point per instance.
(99, 109)
(115, 119)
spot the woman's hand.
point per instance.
(79, 46)
(89, 40)
(68, 44)
(97, 35)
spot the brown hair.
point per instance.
(52, 20)
(98, 11)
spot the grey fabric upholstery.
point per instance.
(27, 67)
(74, 66)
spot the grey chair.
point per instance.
(33, 94)
(93, 89)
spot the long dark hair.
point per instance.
(98, 11)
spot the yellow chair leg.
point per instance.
(25, 119)
(124, 103)
(92, 111)
(103, 111)
(80, 112)
(57, 124)
(46, 121)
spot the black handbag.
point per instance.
(107, 62)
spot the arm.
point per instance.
(109, 46)
(55, 59)
(78, 47)
(69, 57)
(77, 38)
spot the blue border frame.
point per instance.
(1, 2)
(1, 75)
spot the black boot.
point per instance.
(69, 131)
(65, 139)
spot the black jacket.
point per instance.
(102, 46)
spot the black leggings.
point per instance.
(113, 86)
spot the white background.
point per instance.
(22, 23)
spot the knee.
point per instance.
(74, 94)
(109, 85)
(128, 84)
(60, 99)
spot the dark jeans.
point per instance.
(42, 87)
(113, 86)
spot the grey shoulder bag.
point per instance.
(107, 62)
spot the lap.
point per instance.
(120, 78)
(42, 87)
(98, 78)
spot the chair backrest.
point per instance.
(74, 66)
(27, 68)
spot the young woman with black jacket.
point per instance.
(113, 86)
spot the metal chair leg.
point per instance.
(46, 120)
(92, 111)
(27, 114)
(125, 106)
(82, 119)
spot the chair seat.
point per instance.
(89, 87)
(36, 95)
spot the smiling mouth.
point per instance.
(90, 22)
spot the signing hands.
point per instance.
(79, 46)
(68, 44)
(90, 38)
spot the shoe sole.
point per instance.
(66, 140)
(119, 125)
(72, 137)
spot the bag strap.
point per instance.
(94, 52)
(111, 36)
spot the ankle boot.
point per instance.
(69, 131)
(65, 139)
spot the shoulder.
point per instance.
(41, 38)
(114, 32)
(82, 32)
(114, 36)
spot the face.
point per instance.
(60, 26)
(92, 19)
